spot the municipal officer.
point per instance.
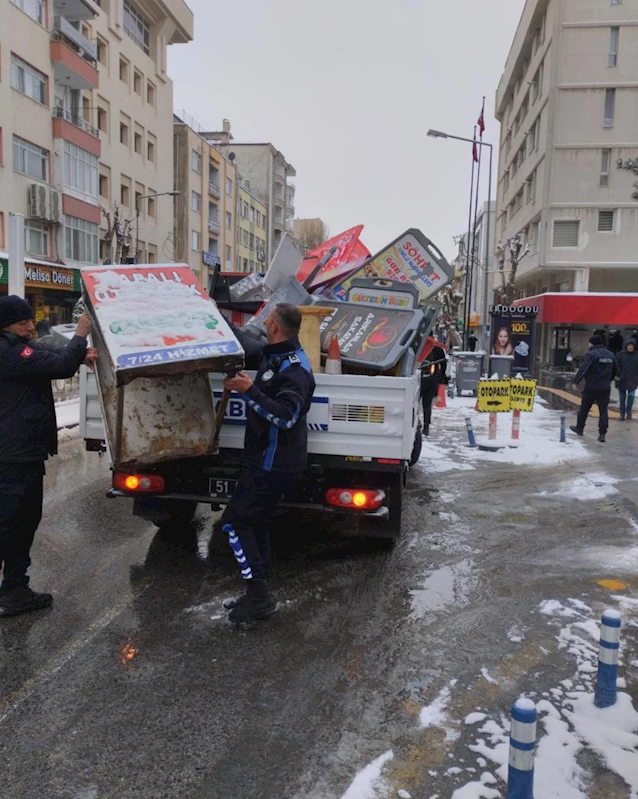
(598, 371)
(28, 435)
(275, 454)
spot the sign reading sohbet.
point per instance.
(494, 396)
(501, 396)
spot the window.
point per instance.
(29, 159)
(604, 168)
(252, 214)
(102, 52)
(503, 222)
(150, 148)
(150, 94)
(229, 220)
(137, 82)
(610, 107)
(537, 84)
(124, 70)
(252, 241)
(566, 232)
(104, 186)
(102, 119)
(525, 107)
(238, 235)
(533, 236)
(81, 240)
(28, 80)
(244, 210)
(229, 256)
(136, 26)
(150, 208)
(81, 172)
(124, 133)
(125, 194)
(613, 47)
(245, 239)
(196, 202)
(36, 238)
(196, 162)
(508, 143)
(138, 142)
(229, 187)
(195, 240)
(34, 8)
(606, 221)
(531, 188)
(543, 28)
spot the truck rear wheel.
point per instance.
(418, 446)
(387, 530)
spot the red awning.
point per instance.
(585, 308)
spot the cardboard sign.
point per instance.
(523, 393)
(494, 396)
(411, 258)
(155, 315)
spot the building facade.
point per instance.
(252, 230)
(206, 208)
(568, 165)
(270, 177)
(88, 109)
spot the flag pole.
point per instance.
(476, 205)
(467, 250)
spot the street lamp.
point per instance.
(137, 215)
(437, 134)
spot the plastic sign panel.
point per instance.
(411, 258)
(157, 315)
(522, 394)
(494, 396)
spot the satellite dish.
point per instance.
(231, 157)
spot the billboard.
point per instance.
(513, 331)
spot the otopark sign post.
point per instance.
(505, 395)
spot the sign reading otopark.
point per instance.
(502, 396)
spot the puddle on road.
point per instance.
(448, 585)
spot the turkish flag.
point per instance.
(350, 254)
(481, 124)
(475, 152)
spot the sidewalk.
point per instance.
(68, 413)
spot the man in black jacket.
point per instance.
(28, 435)
(275, 454)
(627, 361)
(433, 373)
(598, 370)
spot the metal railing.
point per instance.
(213, 188)
(65, 32)
(213, 226)
(74, 119)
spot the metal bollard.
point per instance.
(563, 429)
(606, 687)
(470, 432)
(520, 775)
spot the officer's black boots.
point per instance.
(22, 600)
(257, 603)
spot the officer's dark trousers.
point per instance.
(250, 513)
(428, 395)
(591, 398)
(20, 514)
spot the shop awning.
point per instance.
(585, 308)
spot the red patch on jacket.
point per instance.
(26, 352)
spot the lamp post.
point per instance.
(137, 215)
(437, 134)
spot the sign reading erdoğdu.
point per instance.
(152, 315)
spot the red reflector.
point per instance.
(359, 498)
(139, 483)
(392, 461)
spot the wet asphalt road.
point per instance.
(133, 685)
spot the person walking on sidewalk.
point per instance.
(28, 435)
(598, 370)
(433, 374)
(627, 382)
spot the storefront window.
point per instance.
(81, 240)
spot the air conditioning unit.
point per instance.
(55, 207)
(38, 198)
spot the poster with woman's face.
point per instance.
(513, 335)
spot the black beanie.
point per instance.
(596, 341)
(13, 309)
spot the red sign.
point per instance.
(349, 255)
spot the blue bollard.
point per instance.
(470, 432)
(520, 774)
(563, 429)
(606, 681)
(238, 552)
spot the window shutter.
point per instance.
(566, 232)
(606, 221)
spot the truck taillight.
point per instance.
(138, 483)
(355, 498)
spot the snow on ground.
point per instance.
(539, 444)
(68, 413)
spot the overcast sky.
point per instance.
(347, 91)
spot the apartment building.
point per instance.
(252, 230)
(269, 175)
(206, 209)
(567, 178)
(87, 123)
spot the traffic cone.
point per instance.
(441, 400)
(333, 359)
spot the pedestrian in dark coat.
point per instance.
(627, 378)
(433, 374)
(598, 370)
(275, 454)
(616, 342)
(28, 435)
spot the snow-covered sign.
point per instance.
(158, 316)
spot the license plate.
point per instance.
(221, 489)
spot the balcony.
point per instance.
(69, 126)
(74, 57)
(213, 188)
(213, 226)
